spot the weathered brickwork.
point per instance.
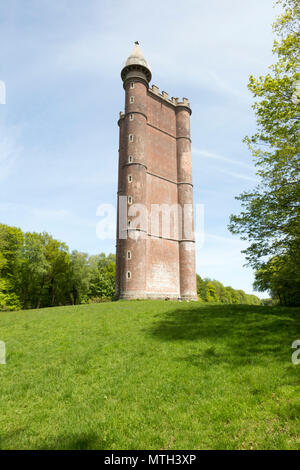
(156, 260)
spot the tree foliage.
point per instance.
(38, 271)
(209, 290)
(270, 213)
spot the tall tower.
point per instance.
(155, 234)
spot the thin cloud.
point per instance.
(215, 156)
(36, 211)
(238, 175)
(104, 45)
(45, 215)
(220, 238)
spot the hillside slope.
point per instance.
(150, 375)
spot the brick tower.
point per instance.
(155, 234)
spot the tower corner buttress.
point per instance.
(187, 261)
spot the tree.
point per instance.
(270, 217)
(280, 278)
(232, 295)
(102, 285)
(80, 275)
(211, 292)
(57, 255)
(11, 242)
(8, 299)
(201, 287)
(38, 271)
(35, 268)
(221, 292)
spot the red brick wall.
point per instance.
(160, 266)
(162, 255)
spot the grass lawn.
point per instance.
(150, 375)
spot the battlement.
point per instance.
(165, 96)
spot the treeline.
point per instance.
(38, 271)
(210, 290)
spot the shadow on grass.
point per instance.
(250, 334)
(83, 441)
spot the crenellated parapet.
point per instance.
(165, 96)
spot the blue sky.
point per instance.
(61, 62)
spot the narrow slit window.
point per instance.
(132, 99)
(131, 117)
(130, 137)
(129, 222)
(128, 254)
(130, 159)
(129, 199)
(131, 84)
(128, 275)
(129, 178)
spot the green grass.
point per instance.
(150, 375)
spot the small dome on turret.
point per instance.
(136, 62)
(136, 57)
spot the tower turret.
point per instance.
(136, 67)
(131, 251)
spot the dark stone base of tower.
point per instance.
(155, 177)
